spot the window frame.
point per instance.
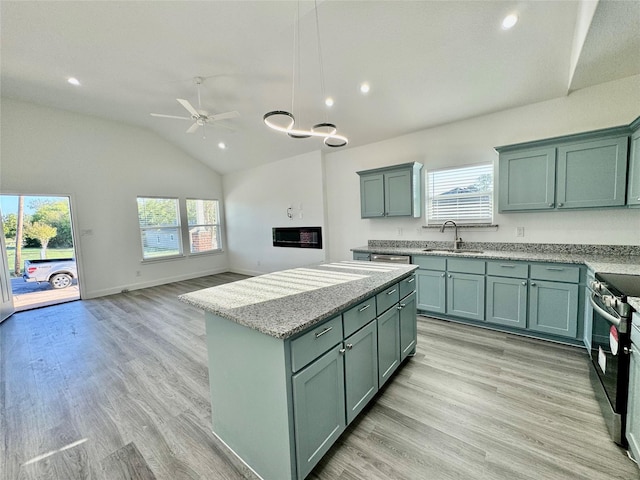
(432, 221)
(177, 227)
(216, 226)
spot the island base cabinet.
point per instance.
(361, 369)
(553, 308)
(319, 408)
(408, 326)
(507, 301)
(388, 344)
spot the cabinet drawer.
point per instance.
(558, 273)
(407, 286)
(357, 317)
(429, 263)
(464, 265)
(387, 298)
(505, 268)
(315, 342)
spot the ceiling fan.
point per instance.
(198, 116)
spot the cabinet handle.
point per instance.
(533, 284)
(364, 308)
(561, 204)
(555, 269)
(524, 283)
(402, 305)
(551, 204)
(391, 292)
(442, 275)
(349, 346)
(326, 330)
(399, 307)
(413, 279)
(507, 266)
(342, 350)
(449, 275)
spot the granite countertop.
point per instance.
(599, 263)
(281, 304)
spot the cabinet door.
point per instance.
(633, 414)
(361, 369)
(507, 301)
(408, 325)
(553, 308)
(592, 174)
(465, 295)
(398, 199)
(361, 256)
(388, 344)
(319, 408)
(430, 290)
(527, 180)
(633, 194)
(372, 195)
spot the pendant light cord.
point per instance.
(324, 96)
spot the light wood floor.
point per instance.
(117, 388)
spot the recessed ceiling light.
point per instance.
(509, 21)
(328, 102)
(73, 81)
(364, 88)
(222, 146)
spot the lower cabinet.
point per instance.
(388, 344)
(633, 409)
(431, 290)
(361, 369)
(507, 301)
(408, 326)
(465, 295)
(553, 308)
(318, 396)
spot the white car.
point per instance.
(59, 272)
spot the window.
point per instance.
(159, 220)
(204, 225)
(462, 193)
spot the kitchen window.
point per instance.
(159, 220)
(463, 194)
(203, 219)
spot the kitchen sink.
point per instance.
(450, 250)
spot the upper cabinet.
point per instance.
(584, 170)
(633, 192)
(391, 191)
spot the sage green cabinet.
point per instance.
(507, 301)
(361, 368)
(592, 174)
(553, 308)
(393, 191)
(633, 191)
(408, 325)
(465, 295)
(361, 256)
(431, 290)
(633, 409)
(319, 408)
(388, 344)
(527, 180)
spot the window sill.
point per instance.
(162, 259)
(467, 226)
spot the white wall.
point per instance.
(257, 200)
(103, 166)
(472, 141)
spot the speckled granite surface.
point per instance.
(284, 303)
(623, 259)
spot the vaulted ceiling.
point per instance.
(428, 63)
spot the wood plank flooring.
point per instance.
(117, 388)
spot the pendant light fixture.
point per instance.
(285, 122)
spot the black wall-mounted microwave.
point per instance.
(297, 237)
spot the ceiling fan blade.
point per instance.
(188, 106)
(170, 116)
(193, 128)
(223, 116)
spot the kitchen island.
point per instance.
(295, 355)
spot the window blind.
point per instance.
(461, 194)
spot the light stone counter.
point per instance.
(284, 303)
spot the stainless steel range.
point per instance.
(610, 346)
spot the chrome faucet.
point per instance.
(456, 240)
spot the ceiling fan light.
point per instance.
(328, 102)
(365, 88)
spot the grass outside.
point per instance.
(34, 254)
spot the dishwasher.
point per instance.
(391, 258)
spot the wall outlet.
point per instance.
(519, 231)
(399, 231)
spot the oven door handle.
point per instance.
(619, 324)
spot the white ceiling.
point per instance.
(428, 62)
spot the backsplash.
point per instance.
(514, 247)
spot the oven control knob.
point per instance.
(627, 351)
